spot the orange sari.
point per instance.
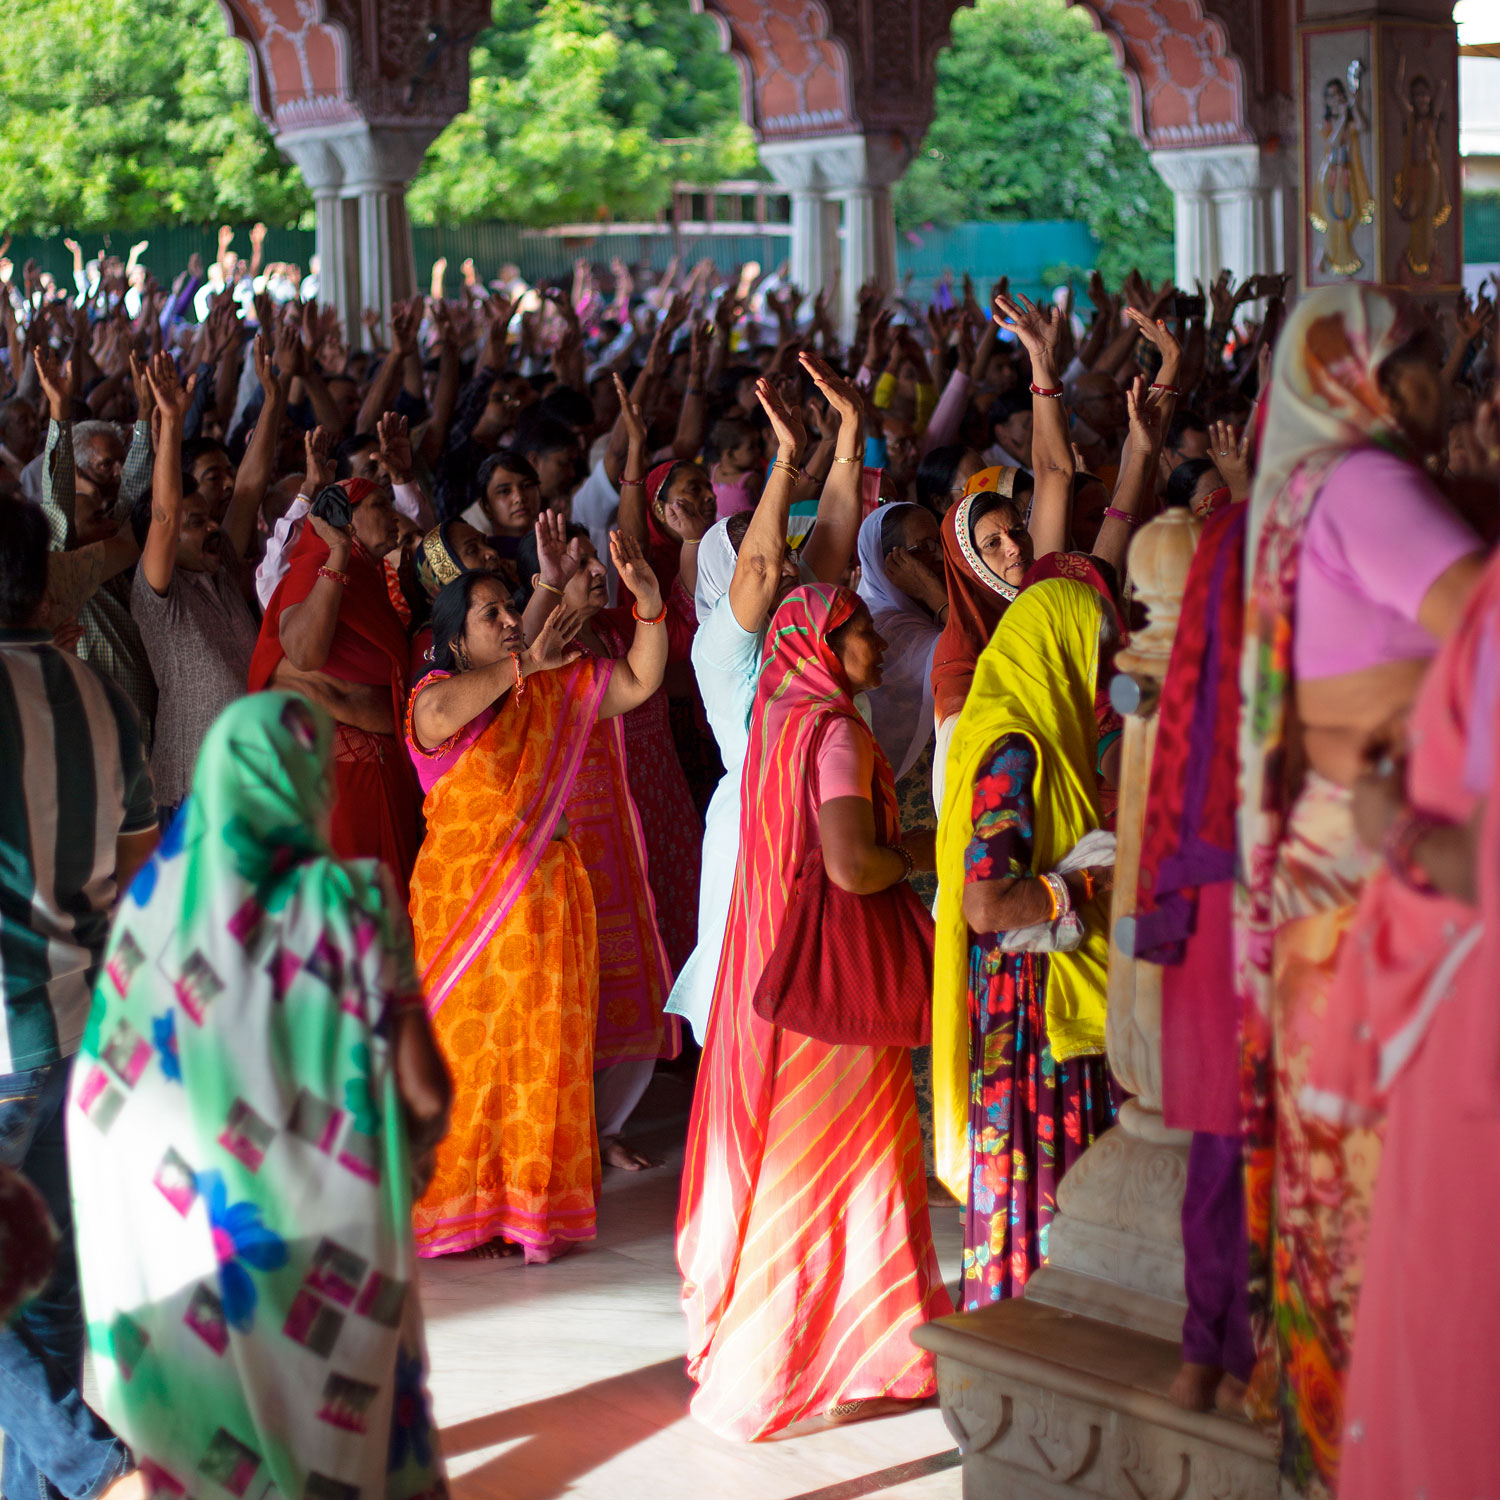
(509, 955)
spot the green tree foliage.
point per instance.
(1033, 122)
(123, 113)
(586, 109)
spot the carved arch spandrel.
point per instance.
(1182, 58)
(328, 62)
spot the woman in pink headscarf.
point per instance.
(1412, 1036)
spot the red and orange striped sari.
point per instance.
(803, 1237)
(509, 955)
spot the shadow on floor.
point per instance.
(568, 1435)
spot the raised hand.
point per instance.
(1155, 331)
(1038, 329)
(265, 371)
(842, 395)
(49, 371)
(1147, 419)
(406, 317)
(290, 352)
(630, 414)
(1231, 455)
(878, 349)
(556, 564)
(172, 397)
(788, 427)
(145, 401)
(635, 572)
(318, 470)
(395, 447)
(553, 646)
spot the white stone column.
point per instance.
(337, 241)
(1231, 211)
(798, 168)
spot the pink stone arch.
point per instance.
(1187, 83)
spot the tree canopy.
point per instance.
(119, 114)
(1033, 122)
(586, 109)
(123, 113)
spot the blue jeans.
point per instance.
(55, 1446)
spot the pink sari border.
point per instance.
(557, 783)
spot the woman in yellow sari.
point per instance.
(504, 914)
(1020, 1084)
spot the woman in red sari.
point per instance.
(803, 1235)
(331, 633)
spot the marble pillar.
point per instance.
(358, 175)
(1114, 1250)
(1234, 208)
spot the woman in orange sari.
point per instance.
(803, 1235)
(504, 915)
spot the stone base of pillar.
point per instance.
(1114, 1248)
(1046, 1405)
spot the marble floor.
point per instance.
(568, 1380)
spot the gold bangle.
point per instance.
(538, 582)
(856, 460)
(791, 469)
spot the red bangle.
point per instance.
(333, 573)
(515, 661)
(1168, 390)
(1122, 515)
(1041, 390)
(635, 609)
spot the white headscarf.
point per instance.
(716, 558)
(902, 704)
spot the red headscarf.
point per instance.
(977, 597)
(663, 549)
(1079, 565)
(801, 691)
(369, 645)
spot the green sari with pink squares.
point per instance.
(238, 1148)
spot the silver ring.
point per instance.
(1223, 452)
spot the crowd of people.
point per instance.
(414, 741)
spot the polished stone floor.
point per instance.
(568, 1380)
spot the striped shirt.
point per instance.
(73, 778)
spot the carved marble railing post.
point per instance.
(1114, 1251)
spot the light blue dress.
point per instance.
(726, 661)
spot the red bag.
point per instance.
(849, 969)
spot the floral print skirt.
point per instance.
(1030, 1119)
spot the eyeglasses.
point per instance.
(927, 547)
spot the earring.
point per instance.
(461, 657)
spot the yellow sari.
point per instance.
(1032, 678)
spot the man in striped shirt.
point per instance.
(77, 820)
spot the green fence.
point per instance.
(1481, 228)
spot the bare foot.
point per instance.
(547, 1255)
(498, 1248)
(1194, 1386)
(617, 1154)
(131, 1486)
(1231, 1395)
